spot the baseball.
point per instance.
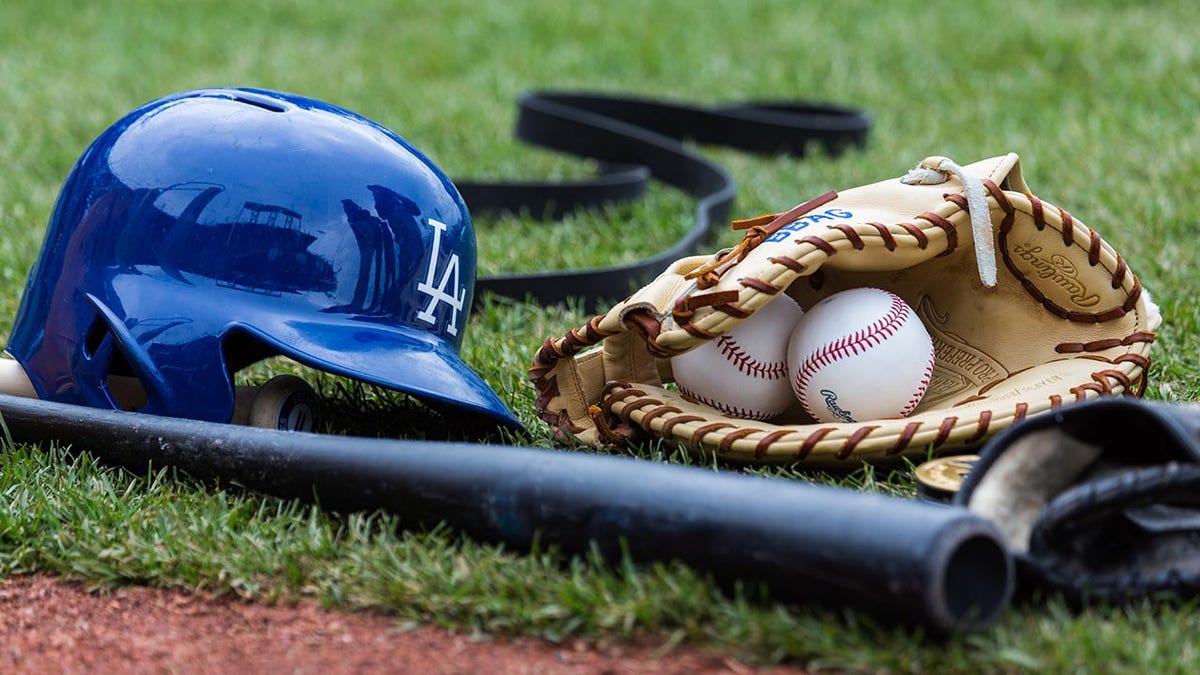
(743, 373)
(860, 354)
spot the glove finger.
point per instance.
(1129, 534)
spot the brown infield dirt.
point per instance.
(51, 626)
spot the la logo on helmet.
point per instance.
(438, 294)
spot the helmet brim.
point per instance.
(391, 356)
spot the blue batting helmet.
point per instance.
(209, 229)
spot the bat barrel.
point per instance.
(900, 559)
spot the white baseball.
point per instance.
(858, 355)
(744, 372)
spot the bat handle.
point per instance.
(13, 379)
(284, 402)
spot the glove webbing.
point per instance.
(635, 140)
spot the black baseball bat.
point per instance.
(900, 559)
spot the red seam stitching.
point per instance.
(747, 364)
(839, 349)
(871, 335)
(919, 393)
(743, 413)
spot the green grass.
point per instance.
(1101, 100)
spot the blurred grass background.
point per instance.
(1101, 99)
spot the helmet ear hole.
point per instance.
(126, 392)
(121, 384)
(241, 349)
(95, 337)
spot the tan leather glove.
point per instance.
(1028, 308)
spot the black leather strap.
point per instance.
(637, 139)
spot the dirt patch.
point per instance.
(53, 626)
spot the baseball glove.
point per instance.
(1099, 502)
(1028, 310)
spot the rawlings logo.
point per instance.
(783, 233)
(1058, 270)
(831, 404)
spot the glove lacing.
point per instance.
(931, 171)
(937, 170)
